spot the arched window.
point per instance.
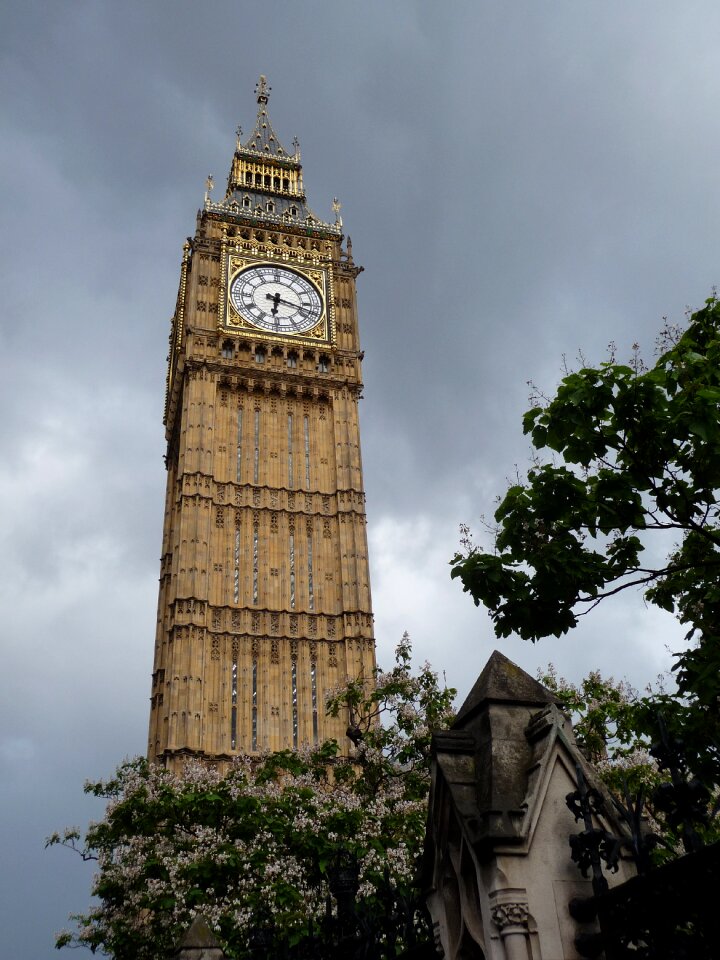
(293, 210)
(228, 349)
(292, 359)
(323, 364)
(259, 355)
(270, 206)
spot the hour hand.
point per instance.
(275, 297)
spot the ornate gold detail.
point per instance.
(230, 321)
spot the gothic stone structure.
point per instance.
(497, 866)
(264, 585)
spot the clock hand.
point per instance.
(286, 303)
(275, 297)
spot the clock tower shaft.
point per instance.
(264, 600)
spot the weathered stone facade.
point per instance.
(497, 866)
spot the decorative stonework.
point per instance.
(240, 474)
(510, 915)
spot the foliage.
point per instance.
(256, 847)
(391, 722)
(626, 738)
(640, 452)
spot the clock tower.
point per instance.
(264, 599)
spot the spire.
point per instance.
(263, 139)
(265, 182)
(262, 89)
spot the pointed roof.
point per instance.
(200, 943)
(263, 139)
(265, 183)
(503, 681)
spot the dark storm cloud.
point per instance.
(520, 182)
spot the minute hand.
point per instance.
(286, 303)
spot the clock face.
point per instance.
(276, 299)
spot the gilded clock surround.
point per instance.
(264, 601)
(235, 263)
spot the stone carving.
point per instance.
(510, 915)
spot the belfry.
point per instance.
(264, 600)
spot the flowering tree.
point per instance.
(255, 849)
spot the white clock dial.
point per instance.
(276, 299)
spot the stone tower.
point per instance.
(264, 585)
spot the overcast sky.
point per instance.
(521, 181)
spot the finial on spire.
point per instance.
(209, 184)
(296, 145)
(336, 205)
(262, 89)
(238, 135)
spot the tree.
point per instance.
(634, 455)
(255, 849)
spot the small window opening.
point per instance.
(271, 206)
(228, 349)
(323, 364)
(248, 177)
(286, 183)
(276, 183)
(292, 360)
(293, 210)
(268, 180)
(259, 355)
(246, 201)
